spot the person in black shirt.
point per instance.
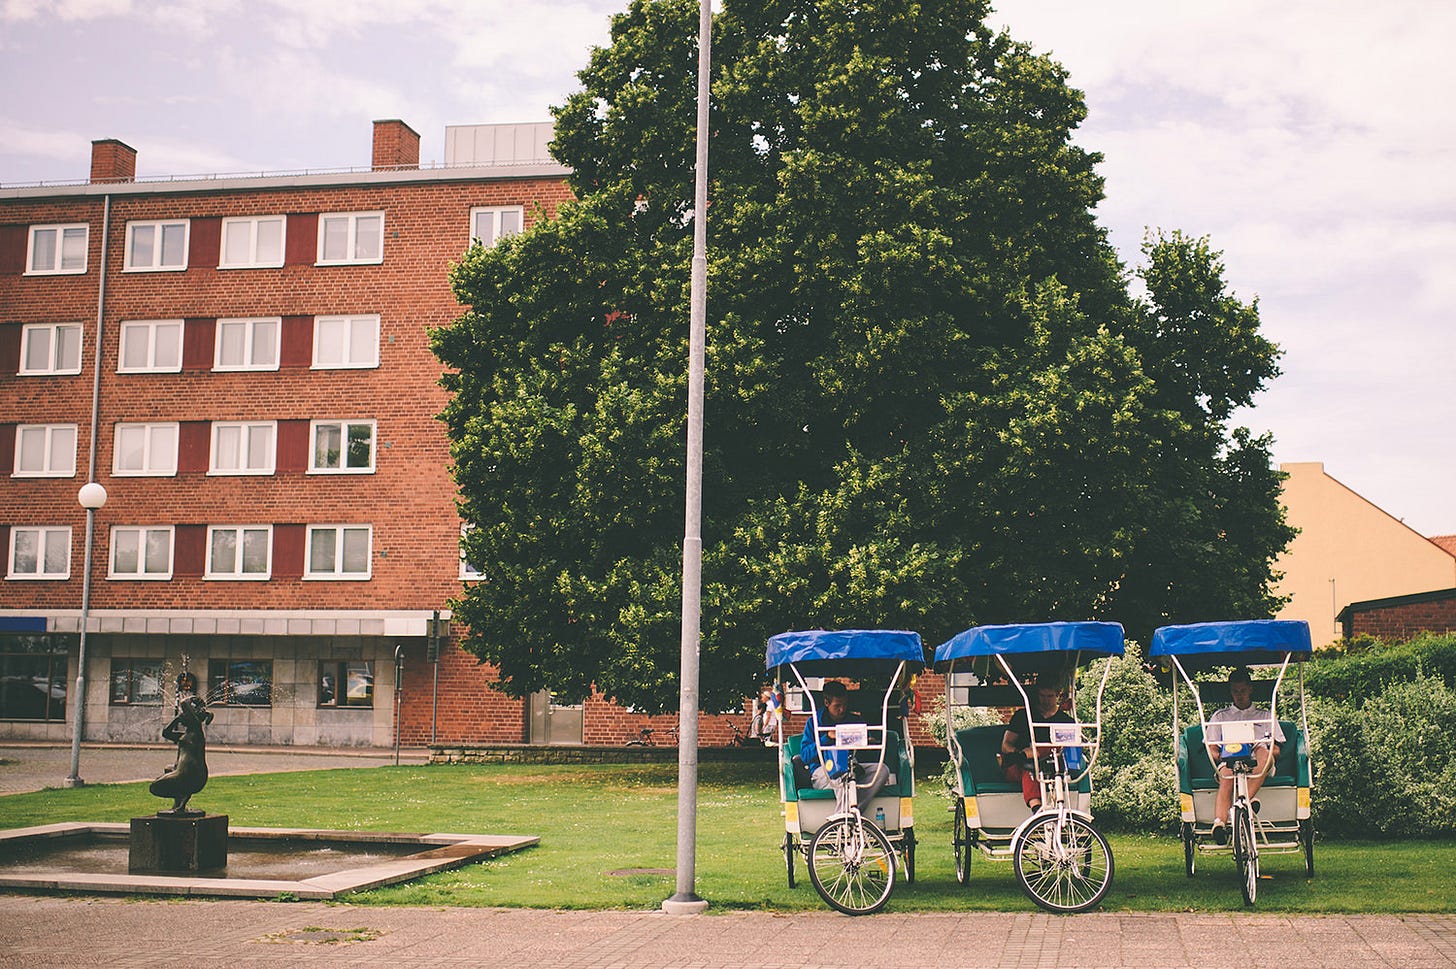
(1016, 751)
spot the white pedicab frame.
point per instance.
(1282, 824)
(853, 861)
(1062, 862)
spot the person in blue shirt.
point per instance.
(833, 710)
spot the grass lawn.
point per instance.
(598, 823)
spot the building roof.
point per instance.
(1447, 542)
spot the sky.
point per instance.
(1312, 141)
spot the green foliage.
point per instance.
(1134, 781)
(1388, 766)
(931, 399)
(1357, 671)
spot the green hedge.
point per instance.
(1357, 670)
(1383, 726)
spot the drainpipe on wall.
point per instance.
(73, 779)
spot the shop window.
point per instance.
(241, 683)
(346, 683)
(33, 676)
(136, 681)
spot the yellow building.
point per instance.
(1348, 550)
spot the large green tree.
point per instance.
(931, 400)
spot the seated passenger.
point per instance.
(832, 711)
(1016, 750)
(1266, 748)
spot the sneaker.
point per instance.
(1220, 833)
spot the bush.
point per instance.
(1359, 669)
(1387, 767)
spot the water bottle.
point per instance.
(880, 817)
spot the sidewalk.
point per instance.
(31, 767)
(45, 932)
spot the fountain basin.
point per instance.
(262, 862)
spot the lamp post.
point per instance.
(686, 901)
(91, 496)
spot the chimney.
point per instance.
(396, 145)
(112, 161)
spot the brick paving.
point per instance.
(38, 933)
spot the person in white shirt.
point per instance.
(1266, 748)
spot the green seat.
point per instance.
(1195, 770)
(980, 761)
(896, 758)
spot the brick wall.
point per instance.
(1397, 622)
(409, 499)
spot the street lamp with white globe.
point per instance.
(91, 496)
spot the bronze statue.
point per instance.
(189, 774)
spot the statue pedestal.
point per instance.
(172, 843)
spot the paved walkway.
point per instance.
(39, 933)
(31, 767)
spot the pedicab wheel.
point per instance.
(961, 838)
(1064, 865)
(790, 850)
(1306, 838)
(908, 845)
(1190, 849)
(852, 866)
(1246, 854)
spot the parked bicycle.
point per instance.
(644, 737)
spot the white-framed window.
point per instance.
(150, 346)
(156, 246)
(50, 348)
(468, 570)
(45, 451)
(346, 342)
(40, 553)
(243, 448)
(57, 249)
(345, 237)
(492, 224)
(239, 551)
(341, 447)
(252, 243)
(338, 552)
(141, 552)
(145, 450)
(248, 344)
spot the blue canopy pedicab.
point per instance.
(1060, 859)
(853, 852)
(1278, 821)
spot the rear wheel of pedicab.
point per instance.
(961, 838)
(1190, 849)
(908, 845)
(852, 866)
(1064, 865)
(1306, 838)
(1246, 853)
(790, 850)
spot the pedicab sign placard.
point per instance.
(847, 735)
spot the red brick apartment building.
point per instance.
(243, 364)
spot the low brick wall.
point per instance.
(569, 754)
(928, 761)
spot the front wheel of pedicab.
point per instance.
(1246, 853)
(1063, 864)
(852, 865)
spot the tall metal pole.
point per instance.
(92, 497)
(686, 900)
